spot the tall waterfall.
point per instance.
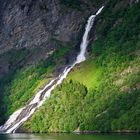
(23, 114)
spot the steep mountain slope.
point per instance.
(39, 37)
(103, 93)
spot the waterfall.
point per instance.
(23, 114)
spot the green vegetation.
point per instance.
(62, 112)
(19, 86)
(86, 73)
(113, 77)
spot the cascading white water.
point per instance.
(81, 57)
(23, 114)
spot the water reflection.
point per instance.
(68, 137)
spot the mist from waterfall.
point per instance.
(23, 114)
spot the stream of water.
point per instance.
(22, 115)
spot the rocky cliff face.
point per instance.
(29, 23)
(39, 25)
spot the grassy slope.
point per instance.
(86, 73)
(113, 103)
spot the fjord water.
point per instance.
(68, 137)
(22, 115)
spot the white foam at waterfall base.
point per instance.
(12, 118)
(8, 127)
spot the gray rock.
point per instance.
(35, 24)
(29, 23)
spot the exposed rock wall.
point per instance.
(29, 23)
(37, 26)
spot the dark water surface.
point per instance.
(69, 137)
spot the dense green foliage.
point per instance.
(71, 106)
(21, 84)
(113, 102)
(62, 112)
